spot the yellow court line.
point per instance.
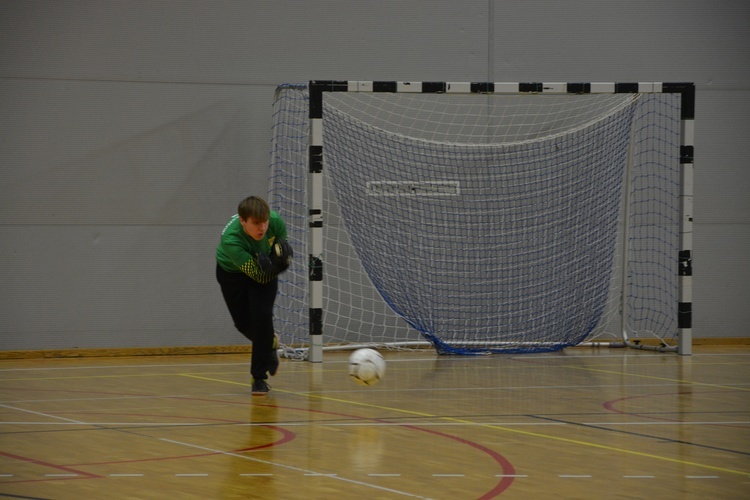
(495, 427)
(675, 380)
(223, 381)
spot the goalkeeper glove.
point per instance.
(282, 254)
(264, 262)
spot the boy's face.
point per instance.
(255, 228)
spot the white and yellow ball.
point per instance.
(366, 366)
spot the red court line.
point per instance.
(80, 474)
(505, 465)
(610, 406)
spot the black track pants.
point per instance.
(251, 305)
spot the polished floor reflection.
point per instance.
(583, 423)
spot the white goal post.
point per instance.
(485, 217)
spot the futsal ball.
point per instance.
(366, 366)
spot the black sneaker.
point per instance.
(260, 388)
(273, 364)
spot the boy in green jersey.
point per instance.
(251, 254)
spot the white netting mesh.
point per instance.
(483, 222)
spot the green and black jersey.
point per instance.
(237, 251)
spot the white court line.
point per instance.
(123, 424)
(123, 397)
(336, 476)
(393, 360)
(633, 354)
(361, 424)
(526, 388)
(304, 471)
(67, 420)
(508, 424)
(115, 367)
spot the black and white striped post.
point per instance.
(315, 222)
(685, 270)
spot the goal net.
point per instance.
(479, 222)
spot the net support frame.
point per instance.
(316, 217)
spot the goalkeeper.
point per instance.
(252, 252)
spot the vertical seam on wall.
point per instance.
(490, 40)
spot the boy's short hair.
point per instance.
(254, 207)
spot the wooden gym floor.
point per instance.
(583, 423)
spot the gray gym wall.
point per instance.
(130, 129)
